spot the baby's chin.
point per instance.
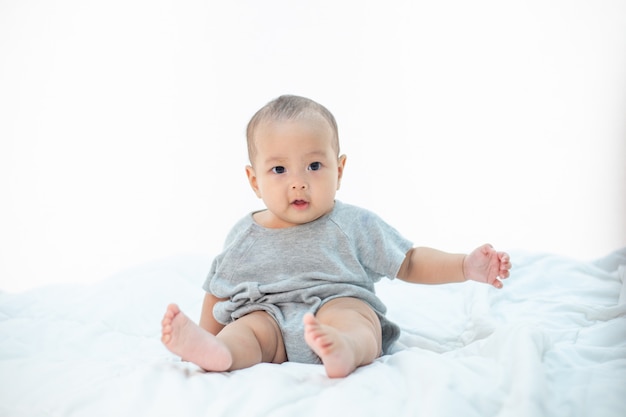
(301, 216)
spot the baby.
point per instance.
(295, 281)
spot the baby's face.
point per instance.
(295, 171)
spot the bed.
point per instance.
(551, 343)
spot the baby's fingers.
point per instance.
(505, 264)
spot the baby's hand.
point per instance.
(486, 265)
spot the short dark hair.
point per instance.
(289, 107)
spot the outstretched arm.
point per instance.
(431, 266)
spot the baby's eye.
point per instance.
(315, 166)
(278, 170)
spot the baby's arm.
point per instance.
(207, 320)
(431, 266)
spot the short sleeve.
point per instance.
(380, 248)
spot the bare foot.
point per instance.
(331, 346)
(192, 343)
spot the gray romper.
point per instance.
(289, 272)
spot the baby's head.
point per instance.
(289, 108)
(295, 165)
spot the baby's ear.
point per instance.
(250, 173)
(341, 164)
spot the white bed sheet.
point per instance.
(552, 343)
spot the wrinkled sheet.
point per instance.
(551, 343)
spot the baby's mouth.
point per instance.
(300, 203)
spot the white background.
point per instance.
(122, 122)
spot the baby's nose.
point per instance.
(299, 185)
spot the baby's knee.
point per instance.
(350, 310)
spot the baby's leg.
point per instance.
(253, 339)
(345, 334)
(250, 340)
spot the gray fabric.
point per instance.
(288, 272)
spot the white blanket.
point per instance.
(551, 343)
